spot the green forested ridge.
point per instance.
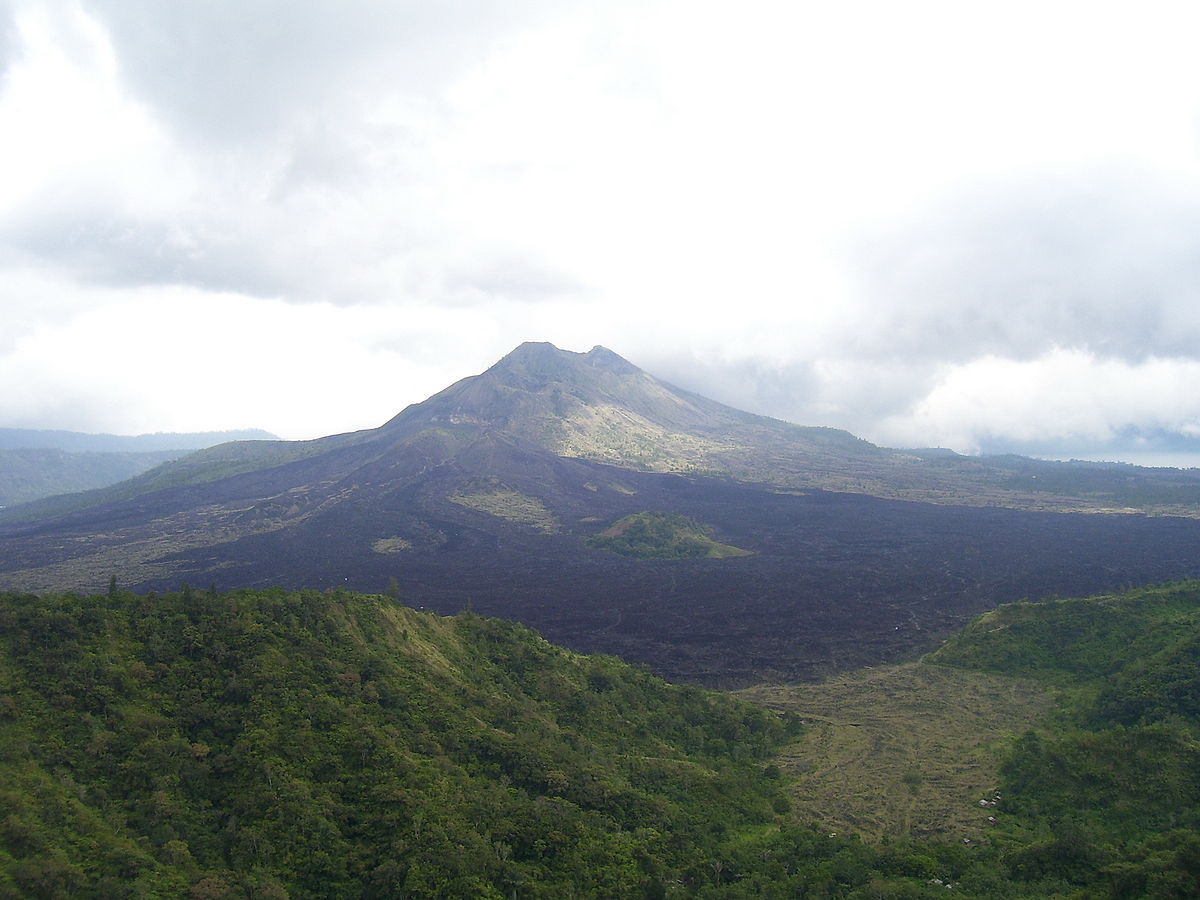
(304, 744)
(1105, 801)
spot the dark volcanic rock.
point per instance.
(484, 495)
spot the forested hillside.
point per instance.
(29, 474)
(329, 744)
(322, 745)
(1105, 800)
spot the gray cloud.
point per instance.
(1106, 262)
(309, 135)
(508, 276)
(115, 251)
(789, 391)
(1102, 263)
(9, 43)
(237, 70)
(850, 394)
(414, 173)
(318, 260)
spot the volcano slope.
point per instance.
(485, 496)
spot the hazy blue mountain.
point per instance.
(36, 464)
(29, 473)
(80, 442)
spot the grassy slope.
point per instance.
(28, 474)
(493, 497)
(1083, 715)
(902, 750)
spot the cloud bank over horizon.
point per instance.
(935, 225)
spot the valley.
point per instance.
(832, 581)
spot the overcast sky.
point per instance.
(973, 225)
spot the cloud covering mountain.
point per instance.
(934, 224)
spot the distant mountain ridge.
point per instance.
(28, 473)
(597, 406)
(36, 464)
(81, 442)
(488, 492)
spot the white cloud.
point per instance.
(848, 214)
(184, 360)
(74, 137)
(1096, 258)
(1068, 395)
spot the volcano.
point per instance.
(491, 494)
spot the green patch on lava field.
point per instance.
(491, 497)
(661, 535)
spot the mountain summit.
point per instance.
(538, 384)
(597, 405)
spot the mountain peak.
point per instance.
(533, 350)
(558, 398)
(599, 406)
(543, 358)
(603, 358)
(536, 365)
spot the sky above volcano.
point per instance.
(968, 225)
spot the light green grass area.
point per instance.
(508, 504)
(615, 435)
(391, 545)
(905, 750)
(661, 535)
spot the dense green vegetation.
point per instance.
(1104, 801)
(662, 535)
(274, 744)
(305, 744)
